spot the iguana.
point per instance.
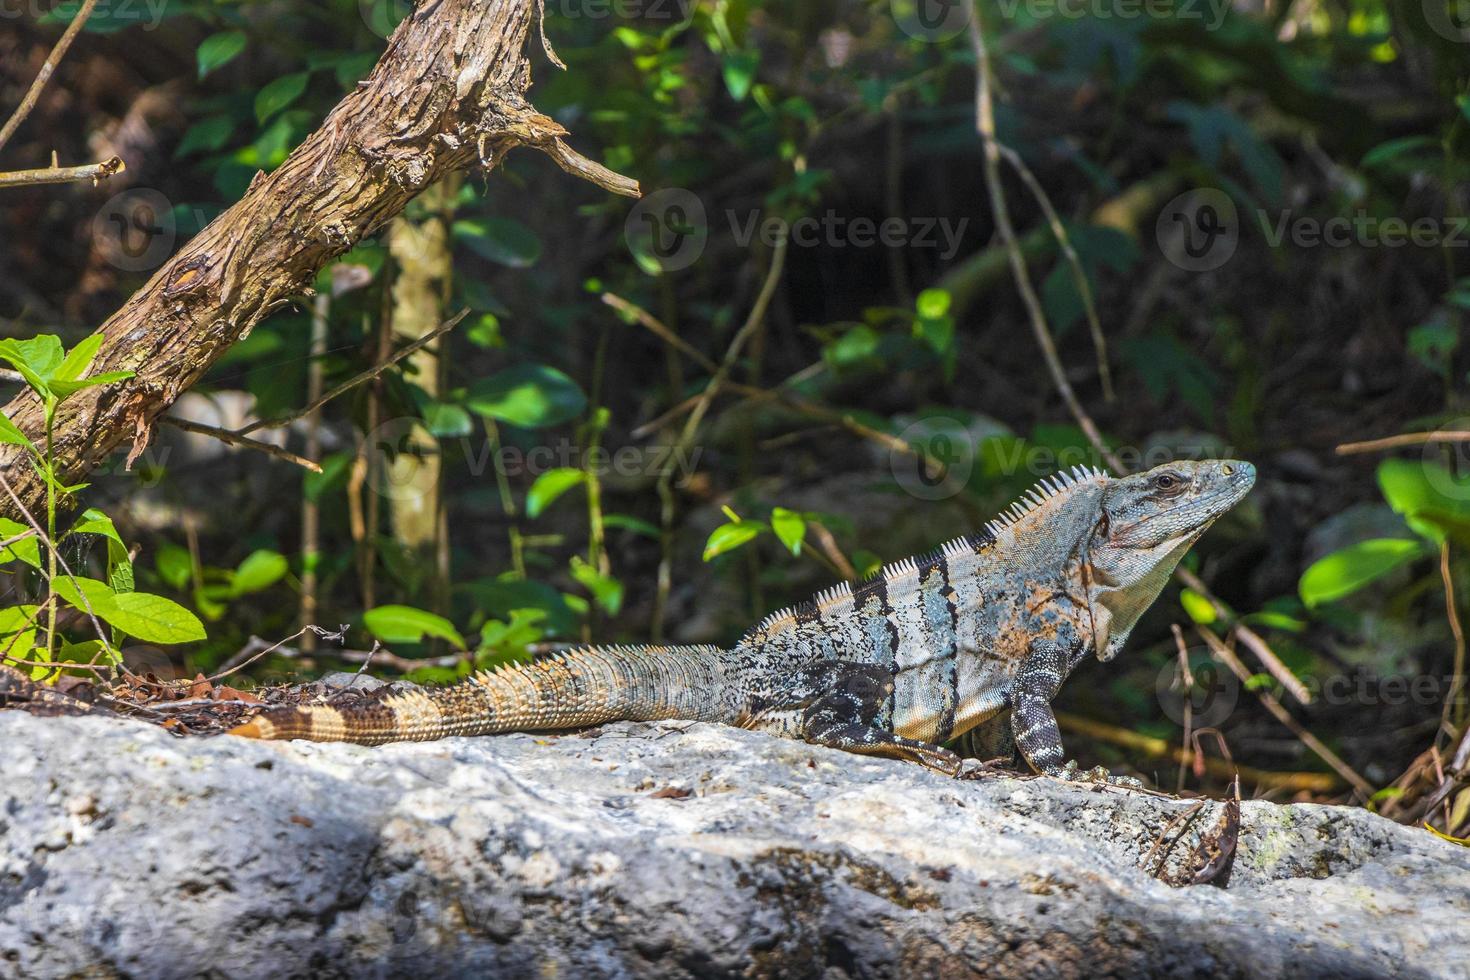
(927, 649)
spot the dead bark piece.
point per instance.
(447, 94)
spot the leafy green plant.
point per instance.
(55, 375)
(1435, 506)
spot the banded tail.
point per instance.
(574, 689)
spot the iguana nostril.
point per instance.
(1228, 470)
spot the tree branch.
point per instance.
(447, 94)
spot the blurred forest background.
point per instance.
(807, 350)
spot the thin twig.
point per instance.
(1311, 782)
(1403, 439)
(247, 655)
(1451, 715)
(48, 68)
(1079, 275)
(231, 438)
(1186, 677)
(360, 377)
(665, 485)
(660, 330)
(95, 172)
(985, 126)
(310, 507)
(1226, 656)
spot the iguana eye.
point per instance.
(1166, 481)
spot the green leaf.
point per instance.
(933, 304)
(218, 50)
(1275, 620)
(86, 594)
(260, 570)
(33, 358)
(27, 549)
(549, 486)
(1391, 151)
(174, 566)
(152, 618)
(739, 72)
(208, 134)
(11, 435)
(628, 522)
(532, 396)
(501, 240)
(790, 527)
(1344, 572)
(405, 624)
(1200, 609)
(43, 354)
(728, 537)
(1431, 499)
(65, 389)
(79, 358)
(93, 521)
(484, 332)
(278, 94)
(605, 589)
(445, 421)
(13, 619)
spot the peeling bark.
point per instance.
(448, 93)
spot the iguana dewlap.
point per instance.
(921, 653)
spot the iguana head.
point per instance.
(1143, 525)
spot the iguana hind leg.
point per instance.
(842, 714)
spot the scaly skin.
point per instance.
(925, 651)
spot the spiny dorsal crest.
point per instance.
(1049, 487)
(838, 598)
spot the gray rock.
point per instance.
(127, 852)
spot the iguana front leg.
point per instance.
(1034, 725)
(842, 714)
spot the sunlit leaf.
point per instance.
(1348, 570)
(218, 50)
(549, 486)
(728, 537)
(260, 570)
(532, 396)
(405, 624)
(790, 528)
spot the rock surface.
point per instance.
(668, 850)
